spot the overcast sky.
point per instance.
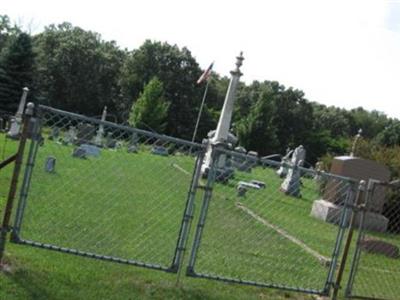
(343, 53)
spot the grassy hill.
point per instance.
(130, 206)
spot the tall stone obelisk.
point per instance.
(17, 120)
(100, 132)
(224, 123)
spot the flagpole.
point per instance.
(200, 111)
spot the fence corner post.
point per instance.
(5, 226)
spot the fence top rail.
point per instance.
(273, 163)
(122, 127)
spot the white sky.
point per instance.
(339, 52)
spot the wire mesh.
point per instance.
(106, 191)
(375, 271)
(271, 224)
(8, 147)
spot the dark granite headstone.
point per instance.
(372, 245)
(50, 165)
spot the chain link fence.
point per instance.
(102, 190)
(375, 270)
(270, 224)
(97, 189)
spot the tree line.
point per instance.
(154, 88)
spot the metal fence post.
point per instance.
(346, 250)
(203, 212)
(33, 149)
(357, 253)
(188, 215)
(5, 227)
(350, 199)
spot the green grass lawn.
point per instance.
(130, 206)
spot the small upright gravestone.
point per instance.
(291, 184)
(133, 143)
(132, 149)
(50, 165)
(110, 141)
(70, 135)
(283, 170)
(85, 133)
(1, 124)
(54, 134)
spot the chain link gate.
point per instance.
(250, 231)
(106, 191)
(375, 267)
(97, 189)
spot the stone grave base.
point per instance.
(331, 213)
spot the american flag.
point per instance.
(206, 74)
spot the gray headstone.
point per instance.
(134, 139)
(261, 184)
(159, 150)
(79, 153)
(110, 141)
(50, 164)
(248, 185)
(1, 124)
(70, 136)
(241, 190)
(132, 149)
(54, 134)
(91, 150)
(85, 133)
(291, 184)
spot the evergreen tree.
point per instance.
(150, 111)
(16, 71)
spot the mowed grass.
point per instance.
(130, 206)
(243, 248)
(120, 204)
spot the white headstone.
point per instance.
(17, 120)
(98, 140)
(291, 184)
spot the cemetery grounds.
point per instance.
(130, 206)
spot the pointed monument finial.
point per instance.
(239, 62)
(357, 137)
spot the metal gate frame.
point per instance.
(31, 130)
(35, 127)
(355, 263)
(218, 150)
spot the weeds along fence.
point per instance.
(111, 192)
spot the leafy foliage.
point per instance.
(177, 70)
(150, 110)
(77, 71)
